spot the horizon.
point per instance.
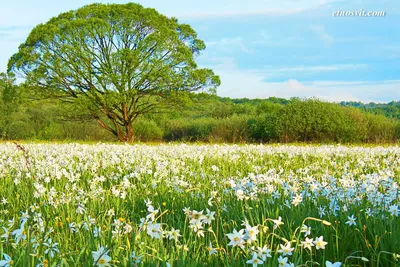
(294, 49)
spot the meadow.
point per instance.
(199, 205)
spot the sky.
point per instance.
(264, 48)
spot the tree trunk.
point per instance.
(129, 133)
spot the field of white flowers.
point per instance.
(199, 205)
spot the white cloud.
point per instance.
(240, 83)
(321, 32)
(230, 45)
(318, 68)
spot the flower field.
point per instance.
(199, 205)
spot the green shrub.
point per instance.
(147, 130)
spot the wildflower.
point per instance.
(308, 243)
(286, 250)
(197, 216)
(211, 250)
(19, 234)
(101, 257)
(330, 264)
(143, 224)
(80, 209)
(154, 230)
(43, 263)
(174, 234)
(136, 258)
(264, 252)
(255, 260)
(209, 217)
(297, 200)
(110, 213)
(351, 220)
(97, 232)
(369, 212)
(321, 211)
(278, 222)
(7, 262)
(251, 233)
(127, 229)
(394, 210)
(24, 217)
(320, 243)
(51, 248)
(306, 230)
(6, 234)
(283, 262)
(236, 238)
(152, 213)
(187, 211)
(73, 227)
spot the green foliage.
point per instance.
(190, 130)
(147, 130)
(119, 61)
(206, 118)
(391, 109)
(232, 129)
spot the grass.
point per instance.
(85, 197)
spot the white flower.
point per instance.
(111, 213)
(251, 233)
(264, 252)
(187, 211)
(136, 258)
(24, 217)
(174, 234)
(80, 209)
(330, 264)
(211, 250)
(236, 238)
(19, 234)
(308, 243)
(152, 213)
(286, 250)
(351, 220)
(101, 258)
(51, 248)
(320, 243)
(209, 217)
(297, 200)
(6, 234)
(97, 231)
(306, 230)
(278, 222)
(394, 210)
(7, 262)
(73, 227)
(154, 230)
(255, 260)
(283, 262)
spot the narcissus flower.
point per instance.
(236, 238)
(320, 243)
(101, 257)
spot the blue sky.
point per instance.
(267, 48)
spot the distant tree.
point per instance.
(9, 100)
(118, 61)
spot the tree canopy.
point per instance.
(118, 61)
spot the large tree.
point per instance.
(119, 61)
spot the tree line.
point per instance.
(203, 118)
